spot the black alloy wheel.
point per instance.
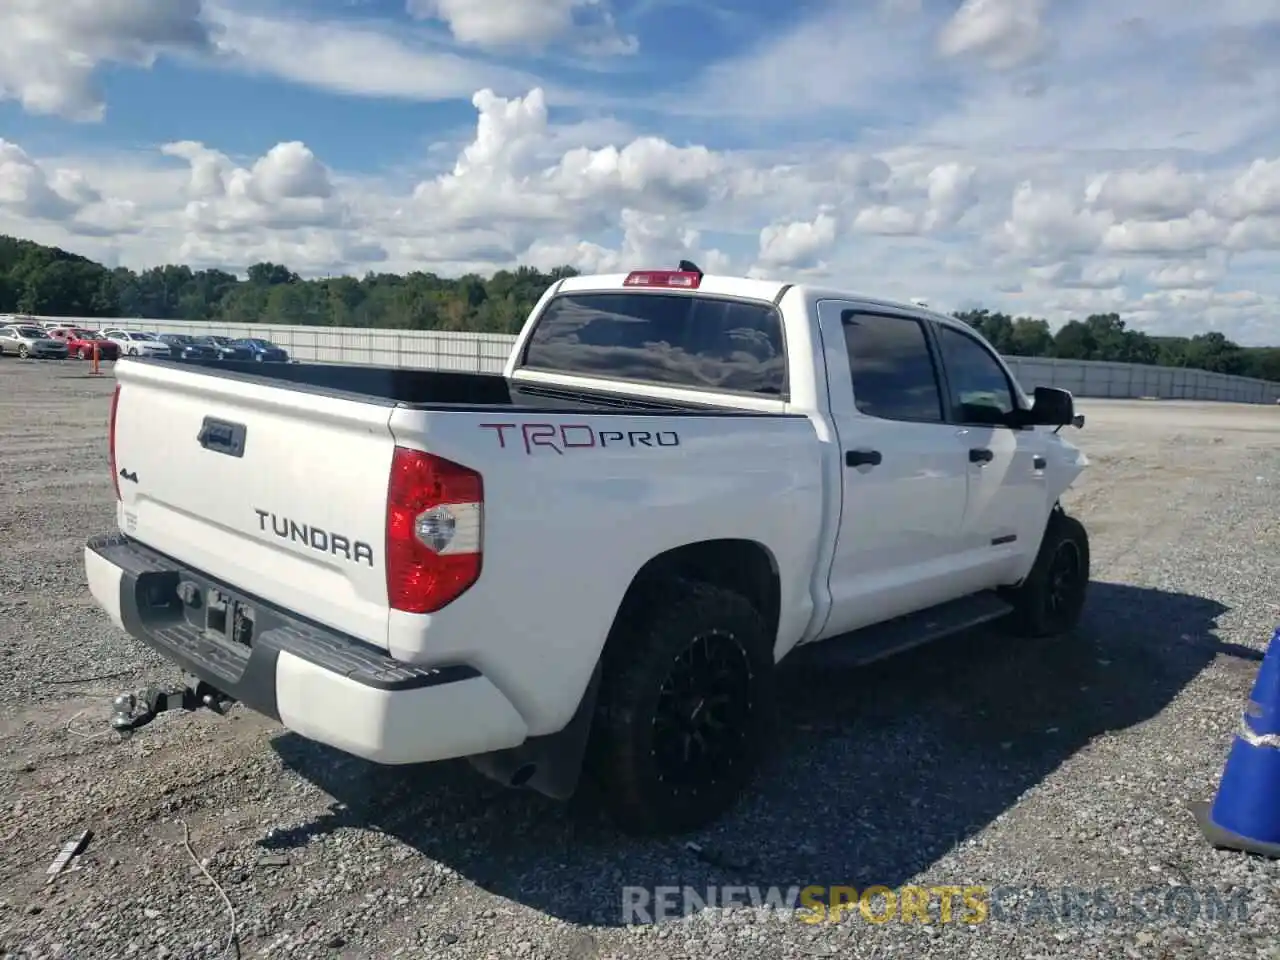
(1066, 584)
(686, 709)
(704, 714)
(1050, 601)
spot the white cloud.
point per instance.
(318, 251)
(1046, 223)
(285, 189)
(26, 189)
(524, 190)
(1254, 233)
(501, 24)
(841, 60)
(1243, 315)
(990, 151)
(888, 219)
(798, 244)
(1195, 233)
(1184, 276)
(1157, 192)
(646, 239)
(951, 194)
(509, 173)
(1080, 301)
(1002, 33)
(1078, 275)
(55, 195)
(51, 51)
(358, 58)
(1255, 192)
(1124, 75)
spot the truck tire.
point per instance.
(686, 709)
(1050, 600)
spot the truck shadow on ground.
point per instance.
(881, 770)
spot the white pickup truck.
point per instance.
(593, 561)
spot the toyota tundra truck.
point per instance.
(587, 568)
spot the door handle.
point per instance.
(862, 458)
(980, 455)
(222, 436)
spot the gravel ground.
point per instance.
(977, 762)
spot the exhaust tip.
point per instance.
(523, 775)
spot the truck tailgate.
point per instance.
(279, 492)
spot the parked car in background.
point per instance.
(80, 343)
(225, 347)
(28, 340)
(183, 346)
(260, 349)
(22, 320)
(137, 343)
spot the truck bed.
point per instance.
(274, 478)
(437, 389)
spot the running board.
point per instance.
(882, 640)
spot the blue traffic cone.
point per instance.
(1245, 814)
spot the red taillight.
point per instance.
(663, 278)
(435, 512)
(111, 439)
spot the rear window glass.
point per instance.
(686, 341)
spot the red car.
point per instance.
(80, 343)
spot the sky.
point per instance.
(1052, 159)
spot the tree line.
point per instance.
(49, 281)
(1104, 336)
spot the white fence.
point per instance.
(1097, 378)
(486, 353)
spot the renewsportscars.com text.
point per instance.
(944, 904)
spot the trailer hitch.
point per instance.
(133, 710)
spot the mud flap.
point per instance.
(550, 765)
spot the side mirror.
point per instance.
(1052, 407)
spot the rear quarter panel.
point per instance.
(576, 505)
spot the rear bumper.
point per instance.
(320, 684)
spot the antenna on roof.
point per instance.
(688, 266)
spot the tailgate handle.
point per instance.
(222, 436)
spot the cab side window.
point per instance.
(980, 390)
(892, 368)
